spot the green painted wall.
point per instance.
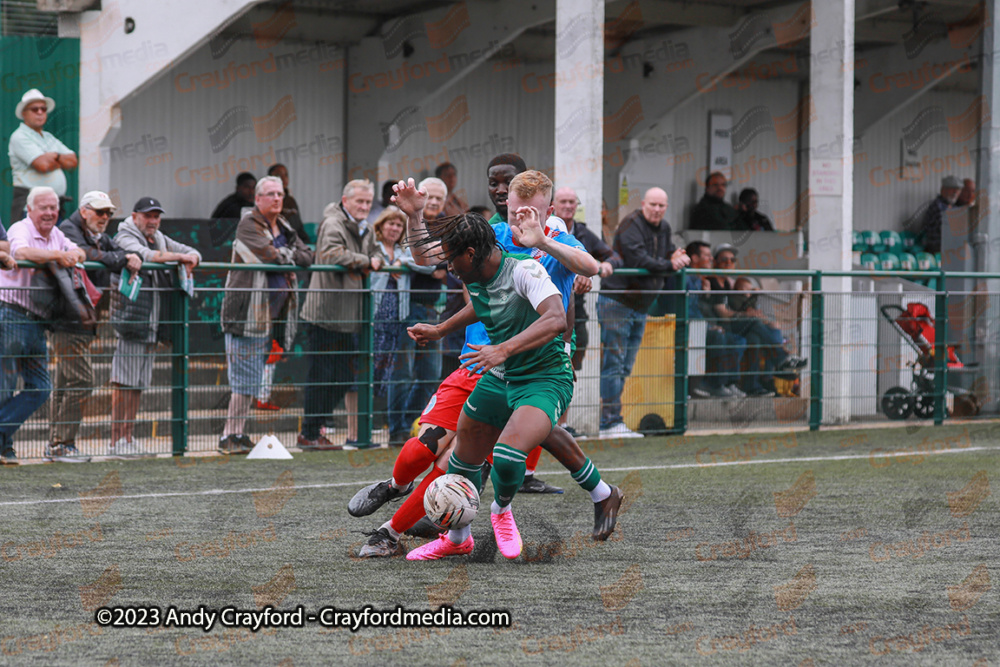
(53, 66)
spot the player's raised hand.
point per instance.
(483, 357)
(526, 226)
(423, 333)
(408, 198)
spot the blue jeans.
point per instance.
(417, 373)
(724, 351)
(621, 336)
(764, 345)
(23, 353)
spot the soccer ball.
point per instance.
(451, 501)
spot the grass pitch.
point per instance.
(836, 548)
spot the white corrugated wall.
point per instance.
(185, 137)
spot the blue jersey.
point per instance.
(560, 275)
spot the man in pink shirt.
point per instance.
(22, 332)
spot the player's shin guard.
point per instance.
(413, 459)
(412, 509)
(458, 467)
(508, 473)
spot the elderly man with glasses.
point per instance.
(37, 158)
(71, 340)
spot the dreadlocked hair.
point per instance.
(457, 233)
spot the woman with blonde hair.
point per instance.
(391, 305)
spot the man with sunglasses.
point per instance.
(71, 340)
(37, 158)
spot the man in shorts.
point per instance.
(139, 325)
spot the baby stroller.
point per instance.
(916, 326)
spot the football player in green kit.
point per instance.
(528, 377)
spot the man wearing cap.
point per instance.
(931, 224)
(643, 242)
(71, 340)
(138, 324)
(36, 157)
(22, 329)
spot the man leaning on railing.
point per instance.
(258, 306)
(140, 324)
(71, 339)
(22, 327)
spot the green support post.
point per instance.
(681, 358)
(816, 354)
(940, 350)
(366, 395)
(179, 376)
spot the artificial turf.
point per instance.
(795, 558)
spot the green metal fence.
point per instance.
(184, 411)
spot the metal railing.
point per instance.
(197, 385)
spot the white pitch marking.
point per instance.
(675, 466)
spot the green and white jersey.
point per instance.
(506, 306)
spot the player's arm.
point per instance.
(531, 282)
(425, 333)
(550, 324)
(526, 226)
(411, 201)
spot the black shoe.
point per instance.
(373, 496)
(759, 392)
(606, 514)
(532, 484)
(8, 457)
(245, 443)
(424, 528)
(232, 445)
(381, 545)
(572, 431)
(484, 474)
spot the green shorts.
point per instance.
(493, 400)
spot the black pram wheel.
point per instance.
(897, 403)
(923, 405)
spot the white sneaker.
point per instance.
(736, 391)
(618, 430)
(125, 447)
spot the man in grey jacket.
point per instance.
(70, 340)
(332, 314)
(139, 324)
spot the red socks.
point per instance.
(533, 457)
(413, 459)
(412, 509)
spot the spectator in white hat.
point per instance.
(70, 340)
(37, 159)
